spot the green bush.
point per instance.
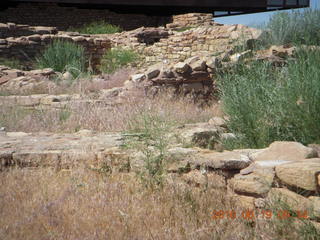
(98, 27)
(63, 56)
(116, 58)
(298, 27)
(265, 104)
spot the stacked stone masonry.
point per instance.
(190, 20)
(31, 41)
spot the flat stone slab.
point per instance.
(49, 149)
(234, 160)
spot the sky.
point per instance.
(255, 19)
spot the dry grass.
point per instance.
(82, 204)
(98, 117)
(87, 84)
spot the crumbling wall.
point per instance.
(27, 48)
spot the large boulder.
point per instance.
(302, 174)
(284, 151)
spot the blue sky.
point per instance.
(258, 18)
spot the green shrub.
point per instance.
(266, 104)
(149, 135)
(98, 27)
(63, 56)
(298, 27)
(116, 58)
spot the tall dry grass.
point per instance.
(100, 117)
(82, 204)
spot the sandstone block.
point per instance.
(301, 174)
(286, 151)
(182, 67)
(256, 184)
(222, 160)
(282, 197)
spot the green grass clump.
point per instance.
(266, 104)
(298, 27)
(63, 56)
(117, 58)
(11, 63)
(98, 27)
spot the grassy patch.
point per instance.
(11, 63)
(298, 27)
(117, 58)
(265, 104)
(98, 27)
(63, 56)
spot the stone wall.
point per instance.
(26, 48)
(40, 14)
(190, 20)
(214, 39)
(18, 30)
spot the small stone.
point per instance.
(152, 73)
(138, 78)
(182, 67)
(67, 76)
(217, 121)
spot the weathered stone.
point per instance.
(286, 151)
(110, 93)
(67, 76)
(225, 160)
(217, 121)
(208, 180)
(152, 73)
(182, 67)
(301, 174)
(65, 150)
(315, 201)
(282, 197)
(240, 56)
(17, 134)
(200, 135)
(257, 183)
(213, 63)
(244, 202)
(138, 78)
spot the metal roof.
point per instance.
(168, 7)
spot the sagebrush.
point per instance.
(266, 104)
